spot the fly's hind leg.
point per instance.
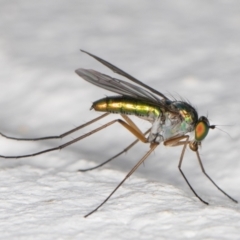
(133, 130)
(58, 136)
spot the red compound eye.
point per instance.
(201, 130)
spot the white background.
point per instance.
(188, 49)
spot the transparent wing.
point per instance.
(116, 85)
(122, 73)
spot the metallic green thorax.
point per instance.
(187, 112)
(128, 106)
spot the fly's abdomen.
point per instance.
(126, 105)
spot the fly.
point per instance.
(174, 123)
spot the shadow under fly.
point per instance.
(174, 123)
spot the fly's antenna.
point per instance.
(216, 126)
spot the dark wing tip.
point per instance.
(79, 71)
(84, 72)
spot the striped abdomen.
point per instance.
(128, 106)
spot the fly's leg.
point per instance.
(115, 156)
(153, 146)
(203, 170)
(132, 124)
(136, 133)
(178, 142)
(58, 136)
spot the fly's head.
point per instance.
(201, 130)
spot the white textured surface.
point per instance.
(183, 48)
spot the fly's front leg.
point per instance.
(204, 172)
(178, 141)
